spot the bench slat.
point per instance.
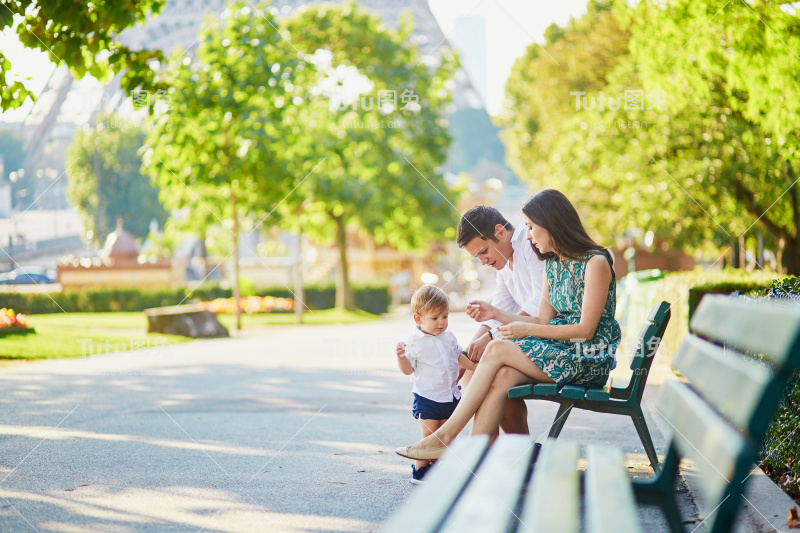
(573, 391)
(489, 502)
(766, 328)
(553, 499)
(704, 436)
(600, 395)
(646, 334)
(541, 389)
(659, 313)
(610, 504)
(442, 487)
(520, 391)
(723, 377)
(545, 389)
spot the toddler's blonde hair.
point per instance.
(428, 298)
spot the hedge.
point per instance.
(683, 291)
(732, 282)
(373, 298)
(780, 454)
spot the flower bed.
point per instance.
(12, 323)
(250, 304)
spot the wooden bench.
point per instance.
(614, 400)
(719, 416)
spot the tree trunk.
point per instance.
(237, 299)
(790, 259)
(299, 295)
(791, 252)
(344, 295)
(204, 252)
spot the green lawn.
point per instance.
(72, 334)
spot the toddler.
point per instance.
(431, 356)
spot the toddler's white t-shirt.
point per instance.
(434, 359)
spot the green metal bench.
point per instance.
(719, 417)
(614, 400)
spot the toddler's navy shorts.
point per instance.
(429, 410)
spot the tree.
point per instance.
(82, 35)
(106, 182)
(740, 72)
(221, 146)
(379, 126)
(696, 159)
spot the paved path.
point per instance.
(282, 429)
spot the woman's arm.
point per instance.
(598, 277)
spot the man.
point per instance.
(489, 237)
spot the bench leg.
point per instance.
(644, 435)
(660, 491)
(564, 408)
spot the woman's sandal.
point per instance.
(419, 454)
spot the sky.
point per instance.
(511, 25)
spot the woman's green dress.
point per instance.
(575, 363)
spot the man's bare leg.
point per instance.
(515, 417)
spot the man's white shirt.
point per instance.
(434, 359)
(519, 288)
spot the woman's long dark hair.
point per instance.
(552, 210)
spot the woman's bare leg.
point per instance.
(515, 412)
(497, 355)
(491, 412)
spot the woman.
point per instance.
(572, 339)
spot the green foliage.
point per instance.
(251, 119)
(708, 153)
(731, 281)
(223, 137)
(780, 453)
(81, 34)
(382, 163)
(372, 298)
(7, 332)
(246, 287)
(676, 287)
(105, 179)
(789, 286)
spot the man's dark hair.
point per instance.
(480, 221)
